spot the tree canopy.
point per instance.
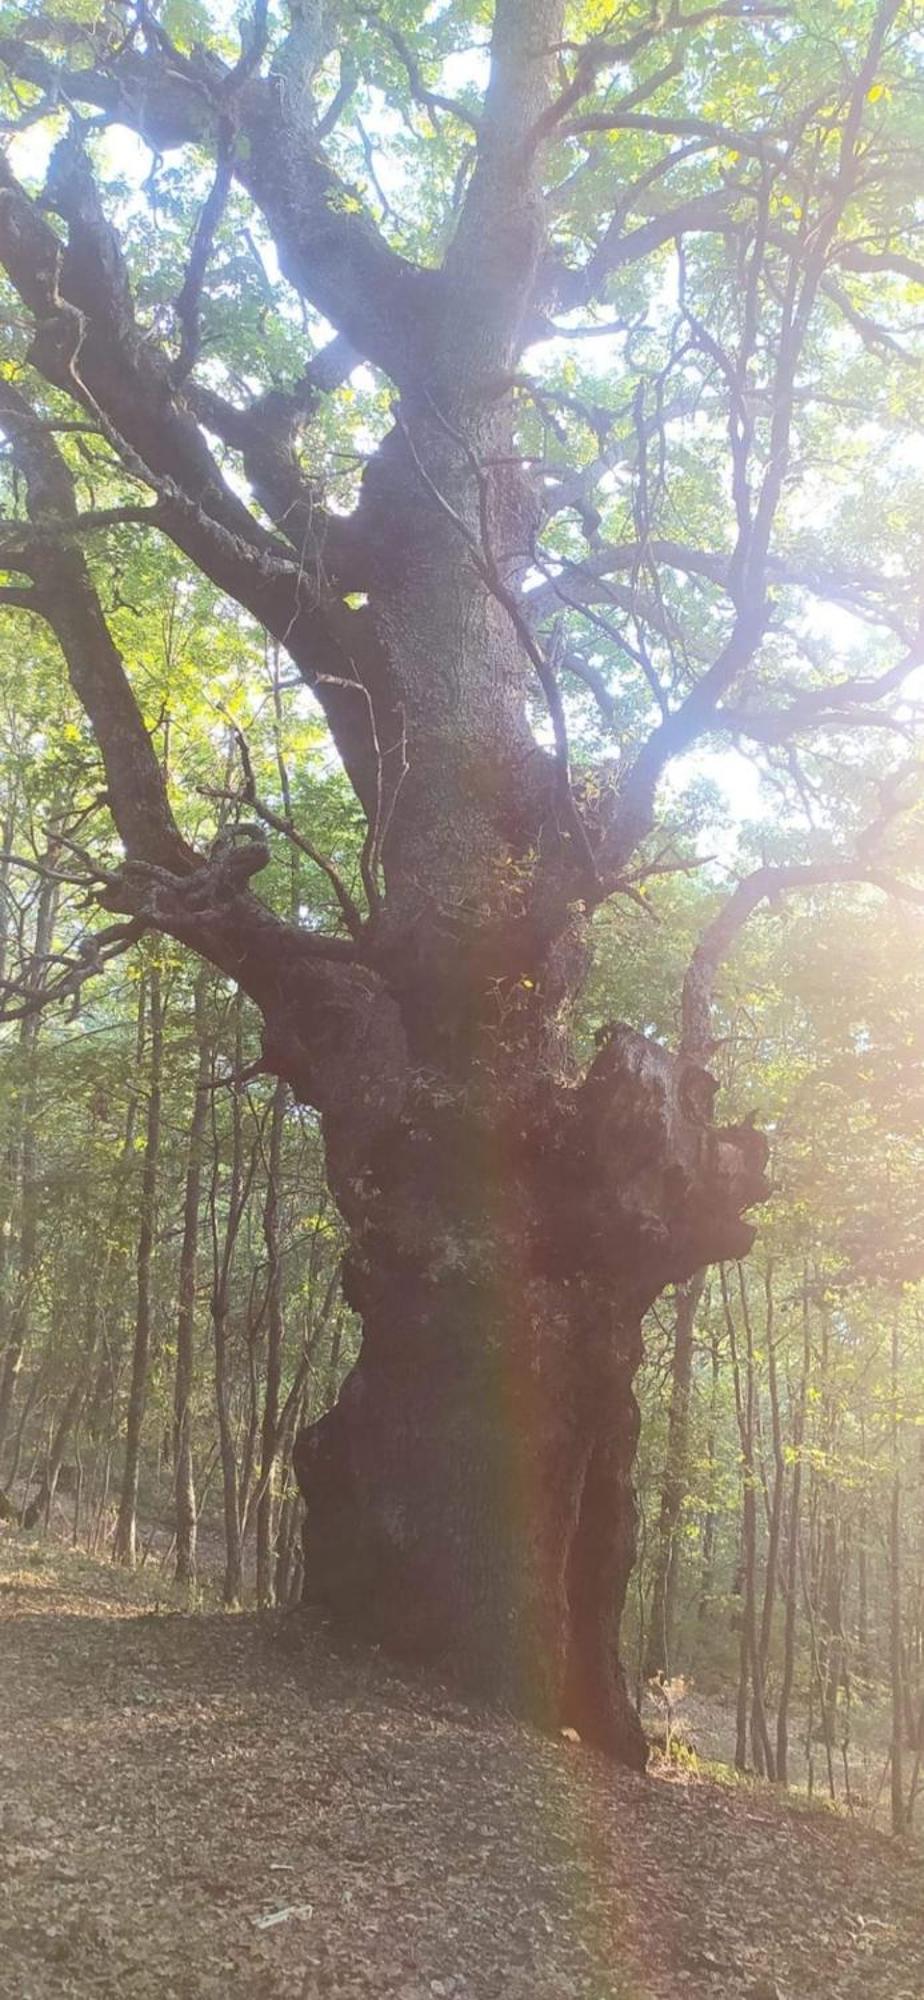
(700, 229)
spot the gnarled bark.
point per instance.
(469, 1499)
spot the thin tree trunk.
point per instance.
(779, 1486)
(710, 1523)
(7, 837)
(74, 1402)
(760, 1735)
(275, 1329)
(100, 1408)
(749, 1664)
(184, 1381)
(25, 1158)
(863, 1651)
(102, 1504)
(274, 1341)
(31, 1398)
(126, 1535)
(831, 1644)
(333, 1362)
(895, 1601)
(817, 1682)
(10, 1161)
(792, 1555)
(78, 1493)
(288, 1552)
(675, 1483)
(42, 1502)
(222, 1263)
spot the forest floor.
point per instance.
(206, 1807)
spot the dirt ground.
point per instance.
(195, 1805)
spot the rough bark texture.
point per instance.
(470, 1497)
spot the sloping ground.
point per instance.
(170, 1783)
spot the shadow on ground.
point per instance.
(169, 1782)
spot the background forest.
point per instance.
(171, 1302)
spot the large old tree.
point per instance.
(520, 369)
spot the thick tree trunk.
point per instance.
(469, 1498)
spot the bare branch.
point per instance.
(592, 57)
(599, 54)
(431, 100)
(759, 145)
(190, 296)
(583, 670)
(265, 434)
(97, 951)
(341, 98)
(281, 823)
(122, 378)
(848, 700)
(328, 245)
(764, 885)
(618, 248)
(63, 593)
(254, 37)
